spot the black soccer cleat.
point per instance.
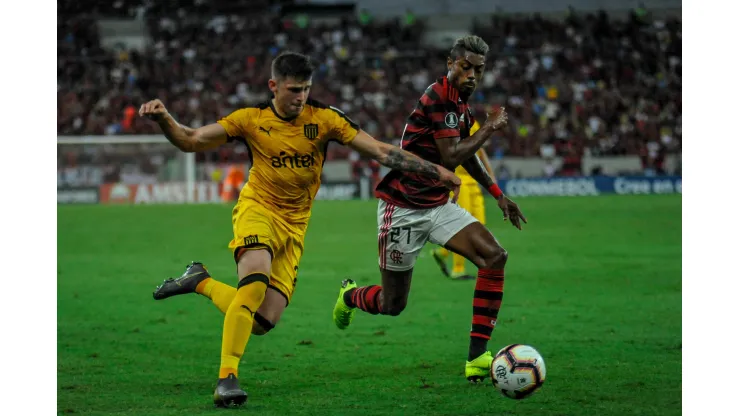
(194, 273)
(228, 393)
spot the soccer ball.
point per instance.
(518, 371)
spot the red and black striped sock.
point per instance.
(489, 291)
(366, 298)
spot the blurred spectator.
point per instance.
(233, 182)
(572, 159)
(585, 85)
(364, 17)
(364, 167)
(550, 169)
(502, 172)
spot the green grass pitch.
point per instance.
(593, 283)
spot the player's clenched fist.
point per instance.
(154, 110)
(497, 118)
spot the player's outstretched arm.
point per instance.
(455, 152)
(481, 171)
(485, 162)
(184, 138)
(399, 159)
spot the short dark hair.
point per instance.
(292, 64)
(470, 43)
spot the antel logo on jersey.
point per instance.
(451, 120)
(295, 161)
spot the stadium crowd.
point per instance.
(586, 84)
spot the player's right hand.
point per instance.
(153, 110)
(511, 211)
(497, 118)
(451, 181)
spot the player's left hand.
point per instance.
(511, 211)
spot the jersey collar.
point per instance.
(272, 107)
(452, 93)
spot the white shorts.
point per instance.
(402, 232)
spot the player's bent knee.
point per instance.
(257, 329)
(496, 259)
(394, 311)
(261, 325)
(251, 291)
(394, 308)
(256, 259)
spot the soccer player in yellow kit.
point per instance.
(471, 199)
(287, 137)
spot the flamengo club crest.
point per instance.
(311, 131)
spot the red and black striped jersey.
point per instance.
(440, 113)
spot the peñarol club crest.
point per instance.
(311, 131)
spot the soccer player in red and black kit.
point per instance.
(413, 209)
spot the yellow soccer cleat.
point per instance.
(461, 276)
(441, 260)
(343, 314)
(479, 369)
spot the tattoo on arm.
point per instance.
(404, 161)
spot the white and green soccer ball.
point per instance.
(517, 371)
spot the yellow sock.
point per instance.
(219, 293)
(458, 264)
(238, 321)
